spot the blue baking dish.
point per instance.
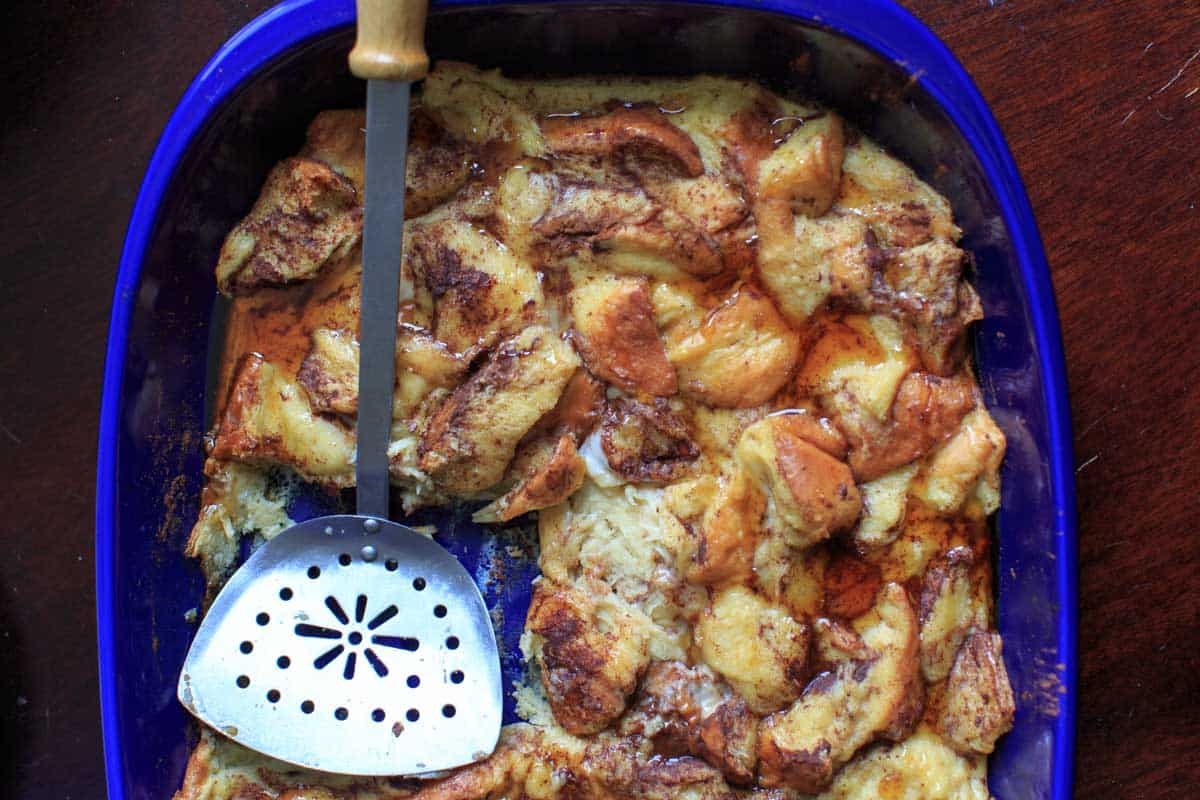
(249, 107)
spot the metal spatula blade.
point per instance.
(350, 643)
(347, 650)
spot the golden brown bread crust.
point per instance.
(587, 673)
(739, 356)
(978, 705)
(619, 771)
(547, 478)
(850, 585)
(928, 409)
(800, 176)
(477, 290)
(473, 436)
(307, 216)
(715, 340)
(818, 431)
(727, 535)
(438, 165)
(626, 228)
(950, 608)
(330, 372)
(618, 341)
(666, 235)
(577, 410)
(641, 133)
(818, 480)
(845, 709)
(811, 495)
(646, 442)
(757, 645)
(268, 419)
(689, 711)
(924, 283)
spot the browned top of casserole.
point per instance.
(715, 340)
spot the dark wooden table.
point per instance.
(1101, 105)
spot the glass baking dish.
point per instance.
(249, 107)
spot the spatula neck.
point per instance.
(383, 225)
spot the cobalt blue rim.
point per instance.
(874, 23)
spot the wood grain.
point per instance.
(390, 44)
(1100, 102)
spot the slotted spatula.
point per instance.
(350, 643)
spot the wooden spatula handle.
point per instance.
(390, 44)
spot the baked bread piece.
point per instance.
(716, 340)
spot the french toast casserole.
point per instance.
(714, 342)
